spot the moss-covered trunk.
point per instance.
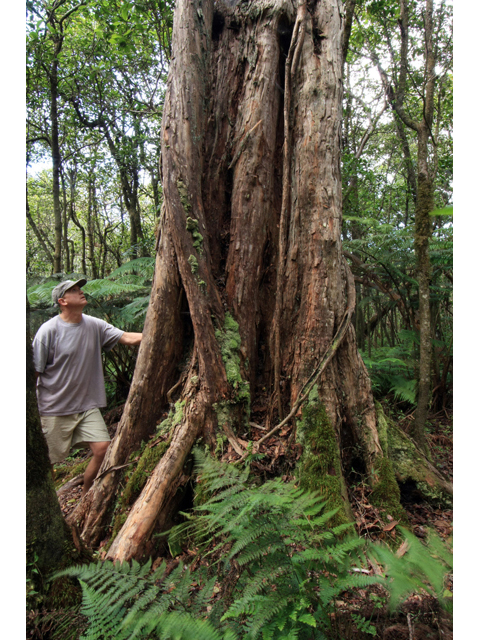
(423, 233)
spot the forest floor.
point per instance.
(420, 617)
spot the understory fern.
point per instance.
(415, 567)
(125, 601)
(391, 369)
(269, 567)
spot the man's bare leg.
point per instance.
(99, 450)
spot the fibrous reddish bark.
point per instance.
(251, 226)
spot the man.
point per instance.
(70, 385)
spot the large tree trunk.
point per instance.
(250, 236)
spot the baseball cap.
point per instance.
(59, 290)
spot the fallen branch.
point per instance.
(232, 439)
(74, 482)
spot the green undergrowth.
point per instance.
(64, 472)
(392, 369)
(269, 564)
(319, 468)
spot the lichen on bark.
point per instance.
(183, 193)
(193, 262)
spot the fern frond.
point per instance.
(41, 294)
(107, 288)
(140, 266)
(269, 608)
(182, 626)
(268, 545)
(136, 309)
(420, 568)
(247, 537)
(265, 577)
(199, 602)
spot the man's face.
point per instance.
(74, 297)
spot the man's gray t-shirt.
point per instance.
(68, 357)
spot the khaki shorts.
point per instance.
(76, 430)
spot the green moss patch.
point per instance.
(193, 262)
(174, 418)
(192, 226)
(183, 193)
(382, 428)
(386, 493)
(150, 457)
(319, 468)
(237, 408)
(230, 343)
(409, 464)
(147, 463)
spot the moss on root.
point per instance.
(408, 463)
(386, 493)
(320, 468)
(174, 417)
(150, 457)
(382, 428)
(147, 463)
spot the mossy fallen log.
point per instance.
(411, 466)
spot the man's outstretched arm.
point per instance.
(131, 339)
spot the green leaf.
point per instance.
(307, 618)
